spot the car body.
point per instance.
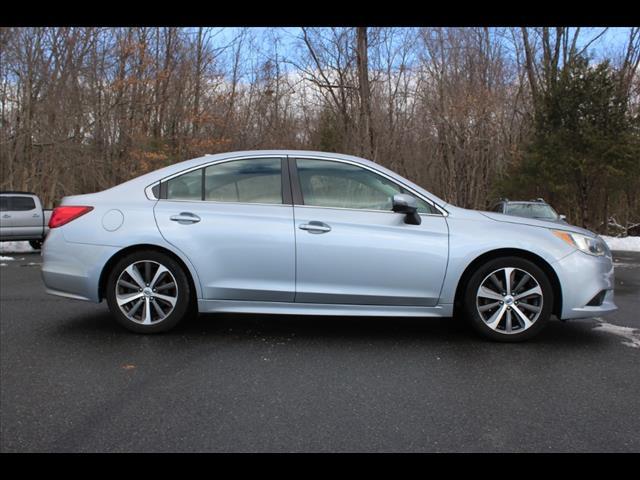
(23, 218)
(299, 232)
(538, 209)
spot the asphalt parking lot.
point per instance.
(71, 380)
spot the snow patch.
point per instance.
(6, 258)
(629, 244)
(15, 247)
(632, 335)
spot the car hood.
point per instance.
(500, 217)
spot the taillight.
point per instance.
(63, 215)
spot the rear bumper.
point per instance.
(582, 277)
(72, 270)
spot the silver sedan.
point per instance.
(298, 232)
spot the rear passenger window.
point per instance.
(185, 187)
(22, 204)
(4, 204)
(256, 180)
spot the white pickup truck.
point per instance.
(23, 218)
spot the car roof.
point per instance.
(15, 192)
(245, 155)
(149, 178)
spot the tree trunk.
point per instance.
(584, 206)
(366, 131)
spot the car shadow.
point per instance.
(207, 328)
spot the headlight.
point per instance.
(590, 245)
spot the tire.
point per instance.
(35, 244)
(517, 318)
(158, 287)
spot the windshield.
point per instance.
(531, 210)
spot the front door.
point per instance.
(352, 249)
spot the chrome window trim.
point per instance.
(150, 195)
(227, 203)
(206, 165)
(364, 210)
(442, 211)
(215, 162)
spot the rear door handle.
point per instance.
(315, 227)
(185, 218)
(6, 216)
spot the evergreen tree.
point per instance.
(585, 142)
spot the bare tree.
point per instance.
(82, 109)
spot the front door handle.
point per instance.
(315, 227)
(185, 218)
(6, 216)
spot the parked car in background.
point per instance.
(538, 209)
(23, 218)
(284, 231)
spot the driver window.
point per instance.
(326, 183)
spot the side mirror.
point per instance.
(403, 203)
(563, 217)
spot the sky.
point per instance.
(611, 43)
(612, 40)
(614, 37)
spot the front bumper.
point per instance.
(582, 277)
(73, 270)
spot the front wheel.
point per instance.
(508, 299)
(35, 244)
(148, 292)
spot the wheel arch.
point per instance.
(104, 274)
(510, 252)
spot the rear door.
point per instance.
(6, 217)
(234, 220)
(351, 248)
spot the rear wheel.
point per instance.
(148, 292)
(508, 299)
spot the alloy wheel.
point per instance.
(146, 292)
(509, 300)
